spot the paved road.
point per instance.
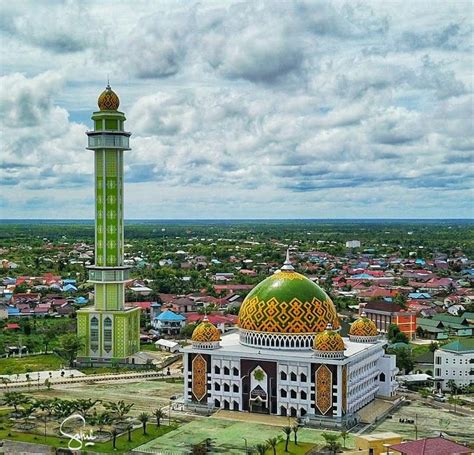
(91, 377)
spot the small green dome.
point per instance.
(287, 302)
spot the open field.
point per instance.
(146, 395)
(42, 362)
(430, 421)
(228, 437)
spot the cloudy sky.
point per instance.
(254, 109)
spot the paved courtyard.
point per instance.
(228, 436)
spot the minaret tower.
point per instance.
(110, 331)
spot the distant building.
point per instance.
(375, 443)
(169, 323)
(386, 313)
(455, 361)
(353, 244)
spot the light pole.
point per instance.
(246, 446)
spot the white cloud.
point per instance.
(273, 109)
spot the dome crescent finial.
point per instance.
(287, 265)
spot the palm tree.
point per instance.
(261, 449)
(103, 419)
(129, 430)
(114, 433)
(83, 406)
(272, 443)
(295, 429)
(120, 409)
(331, 442)
(159, 414)
(287, 431)
(344, 435)
(143, 418)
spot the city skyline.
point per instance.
(242, 110)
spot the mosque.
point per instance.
(287, 357)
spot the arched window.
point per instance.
(226, 387)
(236, 406)
(283, 393)
(217, 386)
(282, 411)
(235, 371)
(217, 370)
(226, 371)
(107, 334)
(303, 395)
(283, 376)
(293, 376)
(303, 377)
(303, 412)
(382, 377)
(94, 334)
(217, 403)
(293, 393)
(235, 388)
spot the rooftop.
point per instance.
(430, 446)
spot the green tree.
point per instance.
(16, 399)
(344, 435)
(295, 429)
(159, 414)
(261, 448)
(70, 345)
(332, 442)
(401, 299)
(119, 409)
(272, 444)
(404, 359)
(287, 431)
(433, 346)
(143, 418)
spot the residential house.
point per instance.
(169, 323)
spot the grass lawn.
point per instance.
(29, 364)
(122, 444)
(293, 449)
(148, 347)
(228, 437)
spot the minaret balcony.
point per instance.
(108, 274)
(105, 139)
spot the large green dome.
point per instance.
(287, 302)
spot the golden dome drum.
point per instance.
(328, 341)
(108, 100)
(363, 327)
(206, 332)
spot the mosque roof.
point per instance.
(287, 302)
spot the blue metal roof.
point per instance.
(169, 315)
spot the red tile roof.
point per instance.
(430, 446)
(12, 326)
